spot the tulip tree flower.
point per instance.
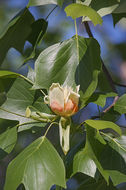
(63, 101)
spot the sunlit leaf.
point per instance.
(70, 64)
(8, 74)
(45, 2)
(100, 124)
(76, 10)
(37, 167)
(19, 97)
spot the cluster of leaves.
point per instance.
(100, 155)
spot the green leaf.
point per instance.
(103, 83)
(20, 29)
(8, 139)
(31, 74)
(120, 105)
(102, 7)
(87, 160)
(119, 12)
(121, 8)
(98, 98)
(111, 115)
(39, 28)
(93, 184)
(37, 167)
(118, 17)
(8, 74)
(19, 97)
(70, 156)
(114, 159)
(76, 10)
(45, 2)
(70, 63)
(100, 124)
(16, 33)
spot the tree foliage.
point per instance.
(98, 159)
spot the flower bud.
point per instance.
(63, 100)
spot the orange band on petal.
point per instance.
(56, 107)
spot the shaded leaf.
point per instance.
(117, 17)
(98, 98)
(67, 67)
(37, 167)
(92, 184)
(100, 124)
(16, 33)
(120, 105)
(39, 28)
(119, 12)
(76, 10)
(20, 29)
(87, 160)
(70, 156)
(8, 139)
(114, 159)
(110, 115)
(103, 83)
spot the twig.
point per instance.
(118, 84)
(111, 82)
(51, 12)
(103, 66)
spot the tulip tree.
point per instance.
(67, 77)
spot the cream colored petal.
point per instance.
(66, 90)
(56, 94)
(77, 89)
(74, 97)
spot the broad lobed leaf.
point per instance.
(70, 63)
(8, 140)
(109, 157)
(19, 97)
(37, 167)
(100, 124)
(20, 29)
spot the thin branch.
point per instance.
(110, 80)
(114, 101)
(118, 84)
(103, 66)
(50, 127)
(51, 12)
